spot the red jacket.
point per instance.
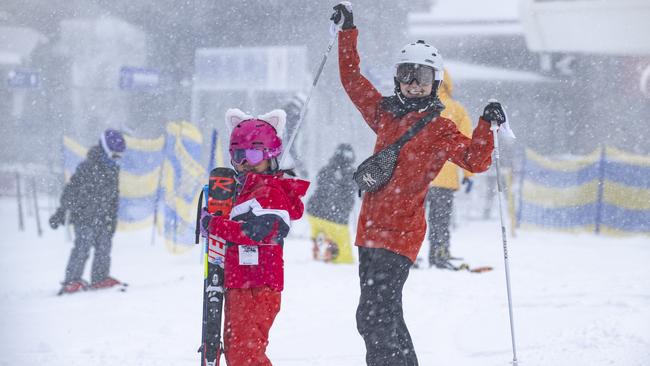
(393, 217)
(259, 221)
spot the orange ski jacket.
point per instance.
(393, 217)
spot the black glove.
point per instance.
(57, 219)
(469, 183)
(493, 112)
(343, 15)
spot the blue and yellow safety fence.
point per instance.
(158, 177)
(183, 177)
(607, 191)
(139, 176)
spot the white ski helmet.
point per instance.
(422, 53)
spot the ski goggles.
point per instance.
(423, 74)
(252, 156)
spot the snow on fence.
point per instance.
(607, 191)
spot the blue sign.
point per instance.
(138, 78)
(23, 79)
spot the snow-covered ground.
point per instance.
(578, 300)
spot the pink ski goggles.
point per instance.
(252, 156)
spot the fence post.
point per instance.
(38, 217)
(21, 221)
(601, 186)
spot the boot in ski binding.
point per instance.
(72, 287)
(108, 282)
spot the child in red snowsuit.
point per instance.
(265, 205)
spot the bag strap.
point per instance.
(415, 128)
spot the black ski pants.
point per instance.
(380, 319)
(86, 237)
(440, 201)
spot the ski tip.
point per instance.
(481, 269)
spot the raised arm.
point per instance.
(360, 90)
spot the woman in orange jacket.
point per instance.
(391, 225)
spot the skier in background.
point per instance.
(260, 219)
(92, 198)
(391, 224)
(330, 205)
(440, 198)
(293, 106)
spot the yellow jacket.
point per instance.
(448, 176)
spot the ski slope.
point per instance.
(578, 300)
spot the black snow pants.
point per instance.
(87, 236)
(380, 319)
(440, 202)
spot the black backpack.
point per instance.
(377, 170)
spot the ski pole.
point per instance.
(199, 206)
(204, 259)
(303, 111)
(495, 128)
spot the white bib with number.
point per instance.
(248, 255)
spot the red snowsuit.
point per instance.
(254, 269)
(393, 217)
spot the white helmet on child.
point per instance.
(421, 53)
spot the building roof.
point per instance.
(17, 43)
(464, 71)
(467, 17)
(471, 10)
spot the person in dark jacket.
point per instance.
(329, 207)
(391, 225)
(91, 197)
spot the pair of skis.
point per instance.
(219, 196)
(466, 267)
(452, 267)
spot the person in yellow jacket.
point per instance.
(441, 191)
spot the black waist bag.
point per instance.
(378, 169)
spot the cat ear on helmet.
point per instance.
(234, 116)
(276, 118)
